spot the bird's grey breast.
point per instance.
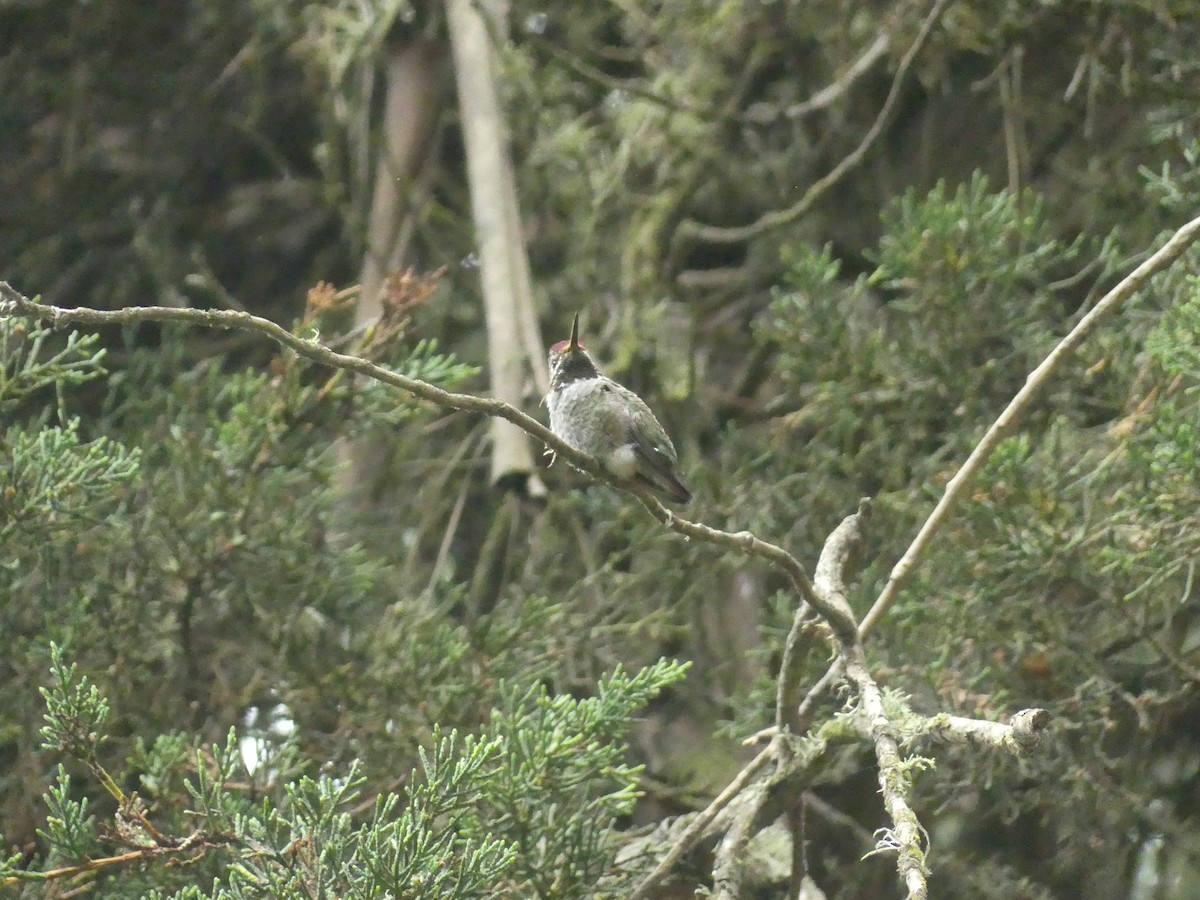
(589, 414)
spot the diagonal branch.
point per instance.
(695, 830)
(1035, 383)
(831, 93)
(1017, 407)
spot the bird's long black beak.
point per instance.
(574, 343)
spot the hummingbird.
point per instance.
(599, 417)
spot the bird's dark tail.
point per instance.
(669, 486)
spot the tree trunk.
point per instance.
(514, 344)
(411, 85)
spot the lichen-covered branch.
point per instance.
(1024, 732)
(894, 771)
(729, 861)
(905, 836)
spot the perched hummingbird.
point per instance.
(597, 416)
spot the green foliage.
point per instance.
(26, 369)
(310, 840)
(971, 271)
(178, 526)
(70, 832)
(1172, 343)
(75, 710)
(10, 864)
(563, 780)
(529, 803)
(52, 476)
(937, 249)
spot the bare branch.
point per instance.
(833, 91)
(905, 835)
(894, 780)
(829, 584)
(17, 304)
(716, 234)
(838, 619)
(835, 555)
(312, 350)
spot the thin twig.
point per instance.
(196, 841)
(838, 619)
(702, 820)
(839, 88)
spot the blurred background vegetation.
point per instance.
(172, 515)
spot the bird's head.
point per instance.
(569, 361)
